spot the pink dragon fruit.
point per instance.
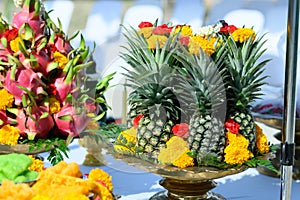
(61, 87)
(69, 122)
(4, 119)
(59, 43)
(23, 77)
(30, 14)
(35, 129)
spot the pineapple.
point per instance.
(244, 82)
(150, 79)
(205, 88)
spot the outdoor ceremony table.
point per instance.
(131, 183)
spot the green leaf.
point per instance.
(66, 117)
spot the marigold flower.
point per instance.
(9, 135)
(6, 99)
(154, 39)
(243, 34)
(104, 181)
(61, 59)
(54, 105)
(236, 151)
(261, 140)
(14, 44)
(37, 164)
(41, 197)
(176, 147)
(147, 32)
(184, 161)
(75, 195)
(184, 30)
(197, 42)
(101, 177)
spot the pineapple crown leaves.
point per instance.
(246, 74)
(204, 79)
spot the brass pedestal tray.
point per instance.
(21, 148)
(192, 183)
(276, 122)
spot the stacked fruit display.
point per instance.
(191, 95)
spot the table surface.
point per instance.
(132, 183)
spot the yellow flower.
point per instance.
(154, 39)
(61, 59)
(197, 42)
(261, 141)
(104, 182)
(236, 151)
(176, 147)
(6, 99)
(54, 106)
(75, 196)
(41, 197)
(14, 44)
(9, 135)
(37, 164)
(98, 174)
(126, 141)
(243, 34)
(184, 160)
(147, 32)
(184, 30)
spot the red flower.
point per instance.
(136, 120)
(181, 130)
(228, 29)
(232, 126)
(184, 40)
(145, 24)
(162, 29)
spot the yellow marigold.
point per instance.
(243, 34)
(184, 30)
(61, 59)
(41, 197)
(236, 151)
(9, 135)
(54, 106)
(75, 196)
(6, 99)
(197, 42)
(184, 161)
(14, 44)
(147, 32)
(261, 140)
(37, 164)
(98, 174)
(154, 39)
(176, 147)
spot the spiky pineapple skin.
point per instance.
(247, 126)
(152, 136)
(206, 135)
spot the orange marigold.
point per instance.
(154, 39)
(54, 105)
(100, 175)
(184, 30)
(236, 151)
(6, 99)
(243, 34)
(261, 140)
(9, 135)
(61, 59)
(197, 42)
(184, 160)
(37, 164)
(147, 32)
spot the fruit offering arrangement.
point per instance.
(191, 95)
(44, 99)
